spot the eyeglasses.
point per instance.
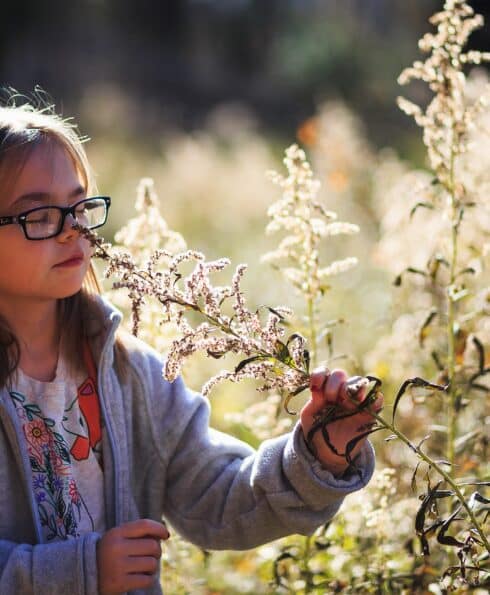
(42, 223)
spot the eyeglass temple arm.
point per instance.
(7, 220)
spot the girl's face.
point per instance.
(44, 269)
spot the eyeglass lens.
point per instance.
(47, 221)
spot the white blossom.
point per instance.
(244, 332)
(306, 222)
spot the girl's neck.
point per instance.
(36, 328)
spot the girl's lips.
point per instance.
(72, 262)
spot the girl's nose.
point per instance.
(68, 232)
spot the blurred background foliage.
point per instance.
(157, 82)
(171, 63)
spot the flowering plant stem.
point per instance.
(452, 397)
(438, 468)
(312, 342)
(312, 331)
(148, 282)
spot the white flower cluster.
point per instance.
(384, 485)
(443, 245)
(447, 118)
(148, 231)
(380, 516)
(142, 235)
(228, 325)
(307, 222)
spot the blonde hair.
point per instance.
(25, 124)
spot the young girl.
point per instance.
(95, 447)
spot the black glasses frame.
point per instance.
(65, 211)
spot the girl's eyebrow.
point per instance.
(45, 196)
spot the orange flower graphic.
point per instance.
(36, 434)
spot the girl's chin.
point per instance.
(69, 282)
(67, 290)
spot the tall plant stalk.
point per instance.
(308, 224)
(446, 122)
(438, 468)
(451, 318)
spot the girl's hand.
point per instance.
(128, 556)
(329, 391)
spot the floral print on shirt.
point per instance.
(59, 501)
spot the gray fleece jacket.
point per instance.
(162, 459)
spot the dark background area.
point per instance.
(176, 60)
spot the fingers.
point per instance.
(142, 565)
(332, 392)
(365, 417)
(139, 581)
(325, 387)
(146, 547)
(145, 528)
(318, 379)
(355, 387)
(128, 556)
(336, 388)
(353, 392)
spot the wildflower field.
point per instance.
(354, 259)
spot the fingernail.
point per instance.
(321, 370)
(354, 384)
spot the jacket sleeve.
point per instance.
(60, 567)
(221, 494)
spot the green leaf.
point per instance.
(425, 326)
(216, 354)
(437, 361)
(466, 271)
(477, 497)
(291, 395)
(295, 336)
(282, 353)
(424, 205)
(449, 539)
(247, 361)
(353, 443)
(306, 358)
(481, 353)
(413, 482)
(419, 382)
(298, 390)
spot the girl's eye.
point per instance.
(39, 218)
(82, 209)
(42, 217)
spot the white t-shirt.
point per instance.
(62, 429)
